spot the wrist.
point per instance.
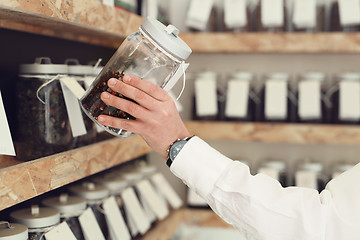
(175, 149)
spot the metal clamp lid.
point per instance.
(66, 203)
(90, 191)
(13, 231)
(43, 65)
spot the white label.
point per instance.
(237, 98)
(349, 11)
(179, 72)
(305, 13)
(157, 205)
(206, 98)
(271, 172)
(133, 207)
(90, 226)
(275, 99)
(150, 8)
(147, 209)
(166, 190)
(74, 86)
(309, 100)
(115, 220)
(235, 13)
(6, 146)
(306, 179)
(349, 102)
(272, 13)
(199, 13)
(73, 109)
(60, 232)
(108, 2)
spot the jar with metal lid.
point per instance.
(42, 121)
(341, 167)
(94, 194)
(270, 16)
(275, 169)
(13, 231)
(313, 104)
(277, 100)
(154, 53)
(311, 174)
(344, 16)
(344, 95)
(79, 73)
(70, 208)
(241, 97)
(39, 220)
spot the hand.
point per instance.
(157, 119)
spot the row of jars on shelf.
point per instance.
(276, 97)
(123, 203)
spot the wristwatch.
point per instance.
(175, 148)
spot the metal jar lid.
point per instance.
(244, 76)
(113, 184)
(90, 191)
(65, 203)
(75, 68)
(133, 176)
(148, 169)
(167, 37)
(349, 76)
(43, 65)
(278, 76)
(36, 217)
(318, 76)
(13, 231)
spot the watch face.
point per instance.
(176, 148)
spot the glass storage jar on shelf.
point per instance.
(13, 231)
(204, 16)
(314, 106)
(307, 15)
(43, 126)
(270, 16)
(275, 169)
(241, 97)
(39, 220)
(237, 16)
(344, 16)
(277, 100)
(94, 194)
(345, 98)
(154, 53)
(310, 174)
(70, 208)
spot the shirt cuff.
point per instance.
(199, 166)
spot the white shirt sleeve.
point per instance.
(261, 208)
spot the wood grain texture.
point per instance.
(24, 180)
(276, 133)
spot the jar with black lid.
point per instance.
(94, 194)
(345, 98)
(39, 220)
(70, 208)
(13, 231)
(42, 121)
(344, 16)
(275, 169)
(311, 174)
(241, 97)
(277, 100)
(270, 16)
(314, 105)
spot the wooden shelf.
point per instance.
(276, 132)
(273, 43)
(20, 181)
(85, 21)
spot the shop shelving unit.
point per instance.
(94, 23)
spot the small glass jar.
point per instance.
(154, 53)
(277, 100)
(241, 98)
(13, 231)
(94, 195)
(43, 127)
(70, 208)
(314, 106)
(275, 169)
(340, 168)
(270, 16)
(39, 220)
(345, 98)
(311, 175)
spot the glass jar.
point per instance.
(241, 98)
(78, 73)
(154, 53)
(311, 175)
(340, 168)
(277, 100)
(270, 16)
(308, 16)
(275, 169)
(94, 195)
(42, 127)
(314, 106)
(39, 220)
(13, 231)
(70, 208)
(204, 15)
(345, 98)
(344, 18)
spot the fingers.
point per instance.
(119, 123)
